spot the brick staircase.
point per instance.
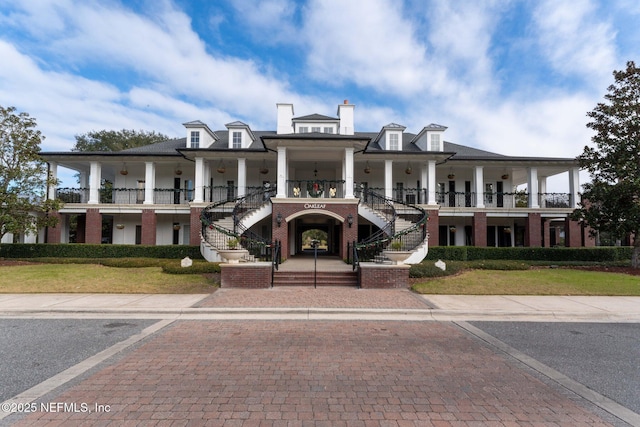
(323, 278)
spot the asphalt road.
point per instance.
(33, 350)
(602, 356)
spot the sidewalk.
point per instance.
(330, 303)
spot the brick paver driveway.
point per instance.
(316, 373)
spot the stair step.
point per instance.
(296, 278)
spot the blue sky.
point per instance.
(510, 76)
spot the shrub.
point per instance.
(198, 267)
(75, 250)
(471, 253)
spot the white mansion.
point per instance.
(313, 172)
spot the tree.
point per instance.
(24, 178)
(611, 201)
(111, 140)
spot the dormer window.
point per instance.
(304, 129)
(315, 129)
(195, 139)
(435, 142)
(237, 140)
(393, 142)
(328, 130)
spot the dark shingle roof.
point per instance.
(313, 117)
(164, 147)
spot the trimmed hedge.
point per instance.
(471, 253)
(73, 250)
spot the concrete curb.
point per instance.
(314, 313)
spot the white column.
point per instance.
(281, 191)
(149, 182)
(95, 175)
(199, 180)
(542, 189)
(574, 187)
(532, 187)
(242, 177)
(478, 176)
(348, 173)
(53, 176)
(388, 179)
(431, 182)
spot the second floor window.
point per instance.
(315, 129)
(304, 129)
(328, 130)
(393, 141)
(237, 140)
(195, 139)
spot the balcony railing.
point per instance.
(126, 196)
(316, 189)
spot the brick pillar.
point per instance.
(55, 233)
(546, 233)
(533, 233)
(93, 227)
(280, 233)
(572, 233)
(349, 234)
(148, 227)
(432, 226)
(196, 226)
(479, 226)
(589, 240)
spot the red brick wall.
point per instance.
(572, 233)
(54, 233)
(148, 227)
(196, 226)
(245, 275)
(479, 226)
(432, 226)
(533, 233)
(93, 227)
(380, 276)
(349, 234)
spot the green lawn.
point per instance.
(546, 281)
(90, 278)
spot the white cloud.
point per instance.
(367, 43)
(272, 21)
(576, 39)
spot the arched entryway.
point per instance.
(325, 228)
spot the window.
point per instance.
(237, 140)
(440, 194)
(488, 193)
(195, 139)
(328, 130)
(435, 142)
(315, 129)
(393, 141)
(304, 129)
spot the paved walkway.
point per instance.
(325, 303)
(367, 359)
(326, 373)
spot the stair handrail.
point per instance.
(242, 206)
(275, 259)
(409, 238)
(383, 206)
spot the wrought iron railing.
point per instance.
(405, 240)
(211, 216)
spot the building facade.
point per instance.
(313, 172)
